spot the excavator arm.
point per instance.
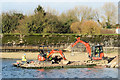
(86, 45)
(60, 51)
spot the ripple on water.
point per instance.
(8, 71)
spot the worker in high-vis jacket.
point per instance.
(50, 57)
(24, 57)
(97, 52)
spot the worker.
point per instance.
(24, 57)
(76, 37)
(47, 53)
(50, 57)
(97, 52)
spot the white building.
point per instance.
(118, 30)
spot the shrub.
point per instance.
(85, 27)
(107, 31)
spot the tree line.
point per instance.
(80, 19)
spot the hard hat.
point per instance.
(98, 44)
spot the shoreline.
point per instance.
(18, 55)
(78, 57)
(33, 55)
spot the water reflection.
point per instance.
(8, 71)
(41, 70)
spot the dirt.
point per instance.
(81, 57)
(76, 56)
(18, 55)
(69, 56)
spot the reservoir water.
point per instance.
(9, 71)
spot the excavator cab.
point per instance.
(97, 52)
(42, 56)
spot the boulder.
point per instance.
(113, 63)
(64, 61)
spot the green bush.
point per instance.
(55, 39)
(10, 38)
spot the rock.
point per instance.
(64, 61)
(113, 63)
(31, 65)
(116, 66)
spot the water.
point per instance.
(8, 71)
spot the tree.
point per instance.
(52, 24)
(90, 27)
(0, 23)
(85, 27)
(109, 14)
(43, 22)
(119, 12)
(84, 13)
(10, 21)
(66, 20)
(23, 27)
(38, 20)
(52, 11)
(39, 9)
(75, 27)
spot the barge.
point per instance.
(48, 65)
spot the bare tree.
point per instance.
(52, 11)
(118, 12)
(85, 13)
(82, 12)
(109, 14)
(0, 23)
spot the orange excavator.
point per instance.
(95, 54)
(46, 56)
(57, 51)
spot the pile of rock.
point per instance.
(113, 63)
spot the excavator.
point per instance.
(46, 56)
(94, 53)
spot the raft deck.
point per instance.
(51, 66)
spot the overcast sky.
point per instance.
(28, 6)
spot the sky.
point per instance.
(28, 6)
